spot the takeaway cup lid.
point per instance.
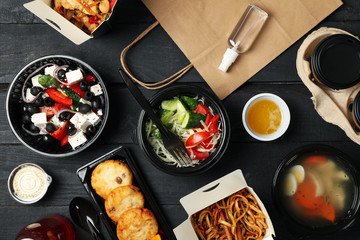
(336, 61)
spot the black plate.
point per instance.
(14, 110)
(302, 228)
(122, 154)
(210, 101)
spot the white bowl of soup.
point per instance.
(316, 188)
(266, 117)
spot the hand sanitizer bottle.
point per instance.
(244, 34)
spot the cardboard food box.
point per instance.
(212, 193)
(43, 9)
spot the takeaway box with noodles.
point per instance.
(227, 206)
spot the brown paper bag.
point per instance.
(201, 28)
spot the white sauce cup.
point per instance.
(285, 116)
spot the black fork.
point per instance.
(172, 143)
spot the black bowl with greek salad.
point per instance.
(57, 105)
(197, 117)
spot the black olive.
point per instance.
(50, 127)
(39, 102)
(90, 130)
(48, 102)
(70, 129)
(61, 74)
(34, 128)
(64, 116)
(84, 108)
(31, 108)
(48, 139)
(84, 86)
(35, 90)
(88, 95)
(26, 118)
(96, 103)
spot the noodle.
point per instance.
(237, 217)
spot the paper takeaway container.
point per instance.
(43, 9)
(212, 193)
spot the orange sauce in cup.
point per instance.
(264, 117)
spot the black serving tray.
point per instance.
(123, 154)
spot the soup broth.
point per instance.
(316, 190)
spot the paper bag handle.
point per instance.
(156, 85)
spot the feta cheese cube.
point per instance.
(100, 112)
(39, 119)
(74, 76)
(55, 120)
(78, 139)
(80, 121)
(29, 96)
(93, 118)
(50, 70)
(35, 81)
(96, 89)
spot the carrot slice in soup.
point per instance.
(306, 195)
(325, 211)
(315, 159)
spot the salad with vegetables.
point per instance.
(62, 104)
(194, 123)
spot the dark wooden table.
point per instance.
(24, 38)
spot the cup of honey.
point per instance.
(266, 117)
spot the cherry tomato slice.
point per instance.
(202, 109)
(197, 138)
(197, 155)
(112, 4)
(213, 127)
(208, 119)
(206, 144)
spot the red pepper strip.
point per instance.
(89, 78)
(60, 133)
(65, 140)
(77, 89)
(202, 109)
(58, 97)
(112, 4)
(197, 138)
(213, 127)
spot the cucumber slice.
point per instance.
(166, 116)
(192, 120)
(180, 117)
(181, 106)
(170, 105)
(190, 102)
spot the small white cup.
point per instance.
(285, 116)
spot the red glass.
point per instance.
(52, 227)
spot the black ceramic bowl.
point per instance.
(303, 227)
(210, 100)
(14, 108)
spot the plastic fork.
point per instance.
(172, 143)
